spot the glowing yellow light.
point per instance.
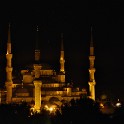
(46, 106)
(101, 105)
(51, 109)
(118, 104)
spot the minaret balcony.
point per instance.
(8, 83)
(8, 56)
(92, 70)
(62, 60)
(91, 57)
(9, 69)
(92, 83)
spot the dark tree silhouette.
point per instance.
(83, 110)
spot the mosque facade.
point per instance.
(40, 84)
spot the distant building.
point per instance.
(40, 84)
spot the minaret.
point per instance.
(9, 69)
(37, 81)
(61, 76)
(92, 69)
(62, 60)
(37, 50)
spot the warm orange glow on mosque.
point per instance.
(42, 84)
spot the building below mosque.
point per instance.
(40, 84)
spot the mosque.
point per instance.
(40, 84)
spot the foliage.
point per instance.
(83, 110)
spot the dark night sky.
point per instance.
(74, 19)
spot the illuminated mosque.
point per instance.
(40, 84)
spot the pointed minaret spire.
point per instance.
(37, 50)
(9, 41)
(92, 69)
(62, 47)
(62, 61)
(91, 43)
(37, 38)
(9, 37)
(91, 40)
